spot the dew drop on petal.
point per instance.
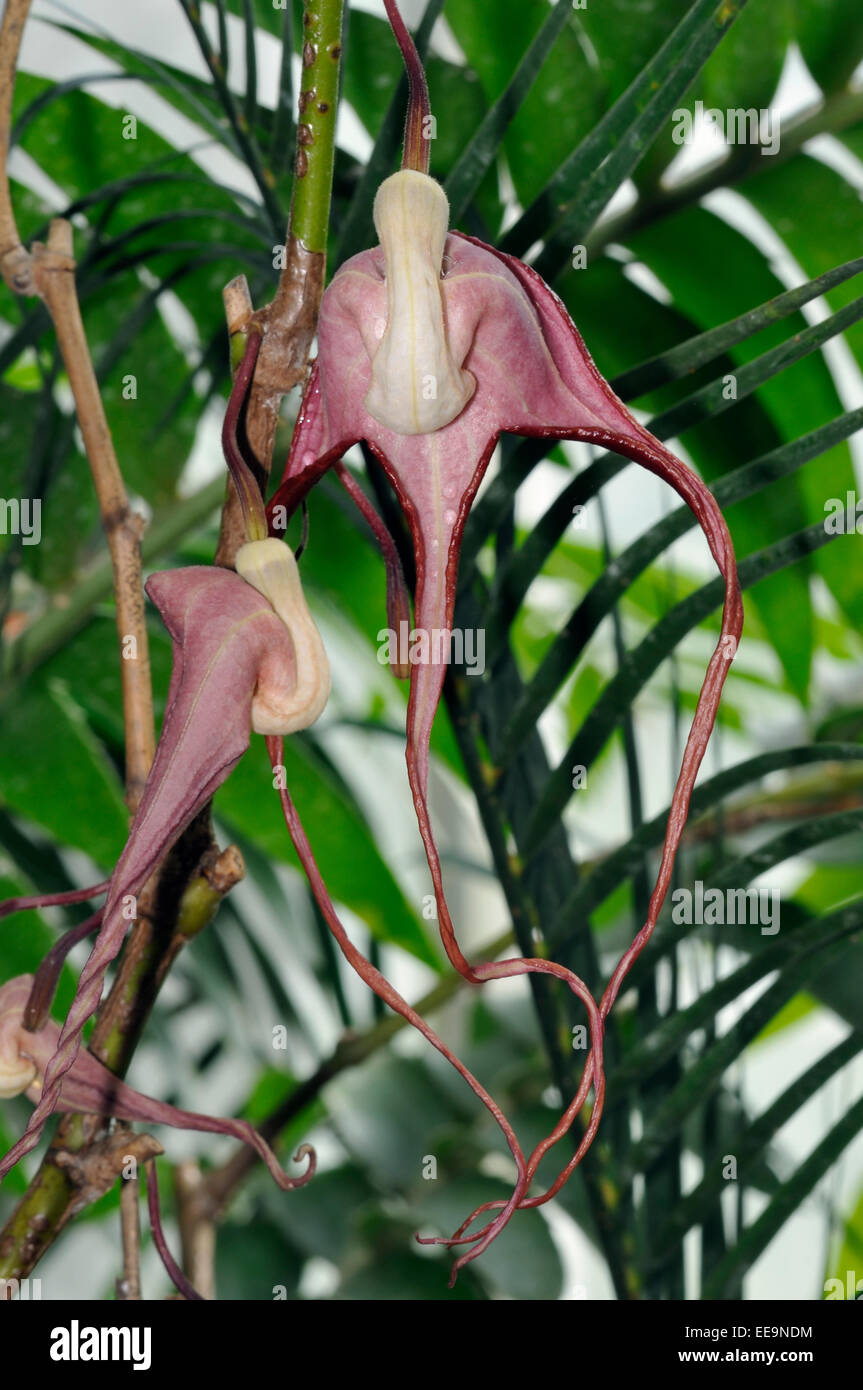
(449, 517)
(308, 458)
(380, 327)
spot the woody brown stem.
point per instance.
(15, 264)
(197, 1229)
(289, 323)
(49, 271)
(53, 267)
(129, 1287)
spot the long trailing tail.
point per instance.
(500, 970)
(702, 502)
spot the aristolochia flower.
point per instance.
(431, 346)
(246, 657)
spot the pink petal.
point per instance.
(223, 633)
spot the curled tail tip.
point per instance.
(308, 1152)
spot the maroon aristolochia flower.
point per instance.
(431, 346)
(235, 668)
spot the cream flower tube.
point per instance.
(285, 701)
(416, 385)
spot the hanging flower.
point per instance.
(246, 657)
(432, 345)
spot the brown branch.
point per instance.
(197, 1229)
(49, 271)
(742, 818)
(129, 1287)
(190, 889)
(15, 262)
(53, 268)
(289, 323)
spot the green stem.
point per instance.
(316, 131)
(283, 119)
(250, 110)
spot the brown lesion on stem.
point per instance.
(93, 1173)
(73, 1179)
